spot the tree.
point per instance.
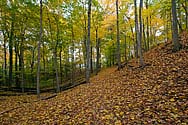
(140, 35)
(72, 55)
(186, 12)
(118, 39)
(11, 45)
(38, 60)
(136, 28)
(55, 58)
(139, 32)
(98, 53)
(5, 34)
(54, 45)
(97, 17)
(88, 67)
(147, 27)
(176, 44)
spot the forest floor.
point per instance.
(156, 94)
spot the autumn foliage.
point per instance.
(156, 94)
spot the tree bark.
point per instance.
(22, 34)
(16, 64)
(118, 38)
(136, 29)
(5, 58)
(38, 60)
(180, 19)
(176, 44)
(185, 7)
(140, 35)
(55, 65)
(22, 65)
(11, 53)
(98, 51)
(144, 37)
(186, 16)
(91, 58)
(60, 65)
(147, 27)
(32, 63)
(44, 60)
(56, 71)
(84, 45)
(125, 54)
(80, 57)
(72, 59)
(4, 46)
(55, 55)
(88, 67)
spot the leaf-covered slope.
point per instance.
(157, 94)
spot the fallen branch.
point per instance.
(6, 111)
(49, 97)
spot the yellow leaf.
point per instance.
(108, 116)
(117, 107)
(172, 100)
(121, 113)
(118, 122)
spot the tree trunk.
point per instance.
(56, 71)
(133, 36)
(166, 16)
(136, 26)
(5, 58)
(111, 58)
(32, 63)
(180, 20)
(22, 65)
(118, 39)
(22, 57)
(72, 59)
(84, 45)
(185, 7)
(91, 58)
(125, 54)
(38, 60)
(136, 29)
(186, 16)
(130, 55)
(98, 52)
(44, 60)
(80, 64)
(16, 65)
(60, 65)
(150, 31)
(4, 49)
(54, 47)
(147, 27)
(113, 55)
(11, 53)
(176, 44)
(55, 57)
(144, 38)
(140, 35)
(88, 67)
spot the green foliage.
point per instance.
(65, 23)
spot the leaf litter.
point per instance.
(156, 94)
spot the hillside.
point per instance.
(157, 94)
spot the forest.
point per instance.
(94, 62)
